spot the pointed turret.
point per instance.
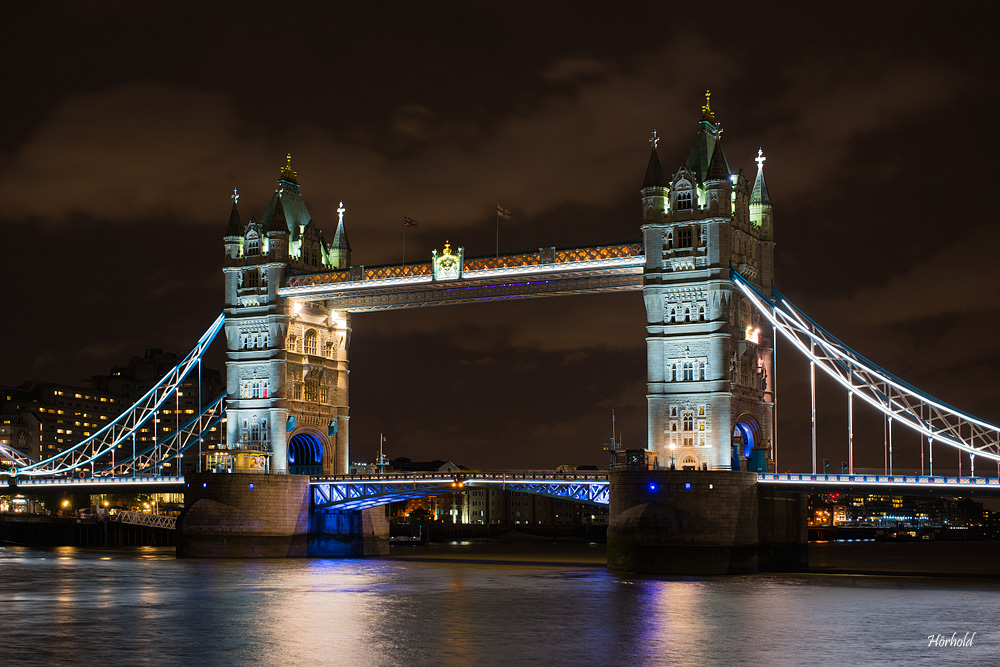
(235, 227)
(718, 187)
(759, 195)
(718, 168)
(760, 202)
(340, 250)
(234, 231)
(654, 186)
(654, 172)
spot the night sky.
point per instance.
(127, 126)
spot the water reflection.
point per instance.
(144, 607)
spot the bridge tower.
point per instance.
(287, 360)
(710, 371)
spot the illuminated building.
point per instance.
(710, 392)
(286, 376)
(131, 381)
(49, 418)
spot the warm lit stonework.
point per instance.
(287, 368)
(710, 354)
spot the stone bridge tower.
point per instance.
(287, 405)
(710, 392)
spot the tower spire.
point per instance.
(759, 195)
(235, 227)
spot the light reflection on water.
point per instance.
(143, 607)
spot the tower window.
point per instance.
(312, 391)
(310, 341)
(252, 247)
(688, 422)
(684, 199)
(688, 370)
(684, 237)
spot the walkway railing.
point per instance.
(150, 520)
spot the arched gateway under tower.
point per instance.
(710, 391)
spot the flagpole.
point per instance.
(498, 229)
(404, 241)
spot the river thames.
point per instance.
(69, 606)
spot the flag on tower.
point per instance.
(408, 222)
(502, 212)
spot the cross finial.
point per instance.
(654, 140)
(341, 211)
(235, 196)
(760, 158)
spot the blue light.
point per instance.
(204, 485)
(251, 486)
(687, 485)
(652, 487)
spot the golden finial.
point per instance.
(447, 248)
(706, 110)
(286, 172)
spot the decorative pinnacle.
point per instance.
(760, 158)
(286, 172)
(654, 140)
(235, 196)
(706, 110)
(340, 211)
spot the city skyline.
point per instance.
(116, 174)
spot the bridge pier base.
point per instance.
(351, 533)
(700, 522)
(244, 515)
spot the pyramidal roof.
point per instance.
(654, 172)
(294, 210)
(235, 227)
(700, 157)
(718, 167)
(340, 241)
(759, 194)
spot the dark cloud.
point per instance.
(125, 143)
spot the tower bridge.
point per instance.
(705, 270)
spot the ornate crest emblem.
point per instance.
(447, 265)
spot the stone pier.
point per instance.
(245, 515)
(700, 522)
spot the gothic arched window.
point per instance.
(252, 248)
(688, 370)
(311, 341)
(684, 199)
(688, 421)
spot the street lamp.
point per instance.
(673, 466)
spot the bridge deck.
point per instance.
(549, 272)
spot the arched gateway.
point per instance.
(710, 391)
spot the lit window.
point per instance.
(310, 341)
(684, 200)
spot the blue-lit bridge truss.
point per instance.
(351, 492)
